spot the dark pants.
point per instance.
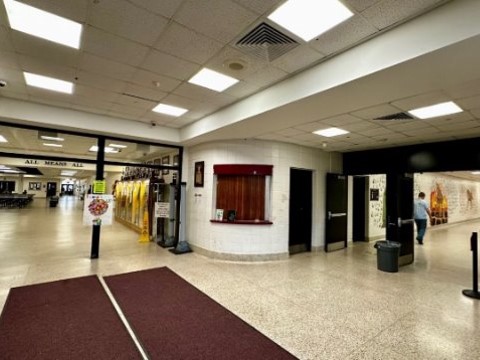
(421, 228)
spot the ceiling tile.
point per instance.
(289, 132)
(362, 127)
(187, 44)
(359, 5)
(301, 57)
(42, 67)
(147, 93)
(99, 94)
(101, 43)
(14, 91)
(389, 12)
(182, 102)
(266, 76)
(46, 50)
(164, 8)
(343, 36)
(136, 103)
(154, 81)
(165, 64)
(260, 7)
(202, 94)
(341, 120)
(75, 10)
(228, 55)
(97, 105)
(125, 110)
(421, 100)
(310, 127)
(219, 19)
(127, 20)
(99, 82)
(105, 67)
(8, 62)
(376, 111)
(469, 103)
(374, 131)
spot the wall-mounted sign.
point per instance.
(162, 209)
(374, 194)
(99, 186)
(53, 163)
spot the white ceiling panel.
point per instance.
(359, 5)
(241, 89)
(388, 12)
(201, 94)
(374, 112)
(105, 67)
(344, 35)
(164, 8)
(421, 100)
(341, 120)
(99, 94)
(187, 44)
(162, 63)
(266, 76)
(469, 103)
(146, 93)
(128, 20)
(101, 43)
(135, 103)
(219, 19)
(98, 81)
(463, 90)
(152, 80)
(40, 66)
(260, 7)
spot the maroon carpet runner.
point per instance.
(174, 320)
(67, 319)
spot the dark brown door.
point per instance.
(336, 212)
(300, 211)
(51, 189)
(400, 225)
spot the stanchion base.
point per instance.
(182, 248)
(472, 294)
(167, 243)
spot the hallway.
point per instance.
(316, 305)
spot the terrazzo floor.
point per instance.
(316, 305)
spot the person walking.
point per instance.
(421, 213)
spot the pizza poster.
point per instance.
(98, 210)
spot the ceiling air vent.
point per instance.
(266, 43)
(397, 116)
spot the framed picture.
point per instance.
(198, 171)
(175, 159)
(165, 161)
(34, 186)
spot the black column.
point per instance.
(99, 176)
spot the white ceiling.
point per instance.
(136, 53)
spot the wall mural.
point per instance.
(377, 218)
(451, 199)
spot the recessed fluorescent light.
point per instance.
(308, 19)
(110, 150)
(330, 132)
(476, 172)
(45, 25)
(12, 171)
(48, 83)
(169, 110)
(52, 138)
(118, 146)
(52, 145)
(68, 172)
(2, 139)
(442, 109)
(212, 80)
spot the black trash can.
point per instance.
(388, 253)
(53, 201)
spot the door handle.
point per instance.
(332, 215)
(404, 222)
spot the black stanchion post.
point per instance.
(474, 247)
(95, 249)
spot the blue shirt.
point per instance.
(420, 209)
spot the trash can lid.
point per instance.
(387, 244)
